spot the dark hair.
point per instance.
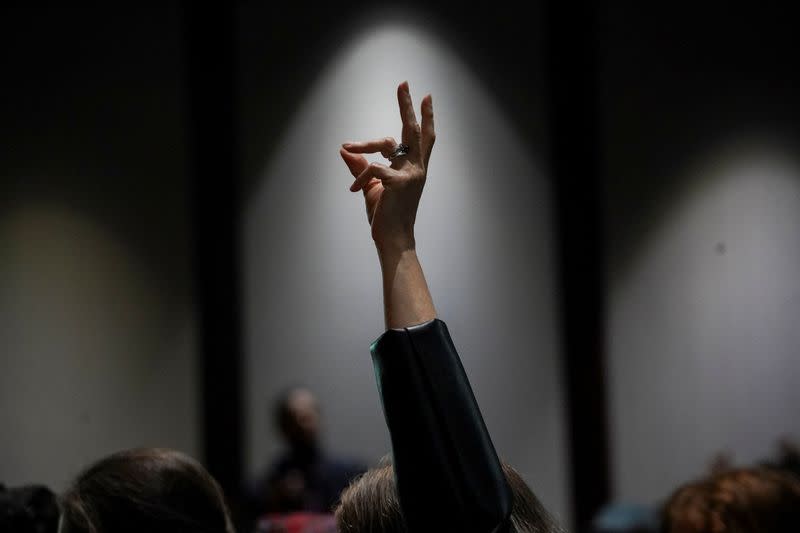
(28, 509)
(370, 505)
(147, 489)
(752, 500)
(787, 460)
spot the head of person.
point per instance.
(147, 489)
(298, 418)
(370, 504)
(752, 500)
(28, 509)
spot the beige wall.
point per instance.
(96, 315)
(703, 205)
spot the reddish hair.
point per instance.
(751, 500)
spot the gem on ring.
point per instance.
(400, 150)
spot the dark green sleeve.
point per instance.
(448, 475)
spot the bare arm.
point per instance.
(392, 196)
(406, 298)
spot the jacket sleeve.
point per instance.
(448, 475)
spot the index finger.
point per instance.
(411, 129)
(385, 146)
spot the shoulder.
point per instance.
(270, 471)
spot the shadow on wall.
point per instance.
(679, 86)
(93, 125)
(95, 272)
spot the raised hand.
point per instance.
(392, 192)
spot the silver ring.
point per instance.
(400, 150)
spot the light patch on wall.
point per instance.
(98, 362)
(703, 328)
(312, 282)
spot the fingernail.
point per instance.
(353, 187)
(345, 145)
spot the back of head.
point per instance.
(28, 509)
(751, 500)
(370, 505)
(148, 489)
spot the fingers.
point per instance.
(356, 163)
(374, 170)
(367, 176)
(385, 146)
(420, 140)
(411, 129)
(428, 133)
(372, 183)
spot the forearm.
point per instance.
(406, 298)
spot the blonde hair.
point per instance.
(370, 505)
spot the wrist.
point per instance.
(396, 245)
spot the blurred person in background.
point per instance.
(626, 518)
(304, 478)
